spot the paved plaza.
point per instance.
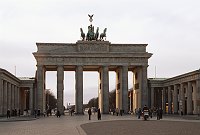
(80, 125)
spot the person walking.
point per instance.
(89, 113)
(99, 114)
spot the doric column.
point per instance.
(189, 98)
(137, 88)
(118, 88)
(40, 88)
(31, 100)
(5, 97)
(1, 96)
(152, 97)
(16, 98)
(164, 100)
(79, 90)
(169, 100)
(104, 89)
(13, 96)
(175, 99)
(144, 89)
(9, 96)
(197, 96)
(125, 88)
(60, 88)
(182, 99)
(122, 88)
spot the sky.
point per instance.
(170, 28)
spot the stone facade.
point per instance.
(177, 94)
(13, 92)
(100, 56)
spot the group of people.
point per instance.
(13, 113)
(117, 111)
(155, 111)
(98, 114)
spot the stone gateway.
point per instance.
(101, 56)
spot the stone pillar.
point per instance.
(118, 88)
(60, 88)
(5, 98)
(16, 98)
(189, 98)
(197, 97)
(31, 100)
(152, 97)
(182, 99)
(137, 88)
(40, 88)
(9, 96)
(169, 100)
(122, 88)
(164, 100)
(13, 96)
(104, 89)
(144, 89)
(79, 90)
(1, 97)
(125, 88)
(175, 99)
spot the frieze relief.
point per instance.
(85, 61)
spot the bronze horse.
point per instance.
(82, 34)
(102, 35)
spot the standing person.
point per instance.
(8, 113)
(139, 113)
(19, 113)
(58, 114)
(158, 113)
(89, 113)
(117, 111)
(161, 112)
(99, 114)
(35, 112)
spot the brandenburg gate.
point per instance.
(101, 56)
(92, 54)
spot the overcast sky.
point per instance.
(171, 28)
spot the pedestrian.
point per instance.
(58, 114)
(15, 112)
(72, 112)
(158, 114)
(44, 113)
(8, 113)
(19, 113)
(161, 112)
(35, 112)
(150, 113)
(89, 113)
(117, 111)
(139, 113)
(99, 114)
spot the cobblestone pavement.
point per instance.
(71, 125)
